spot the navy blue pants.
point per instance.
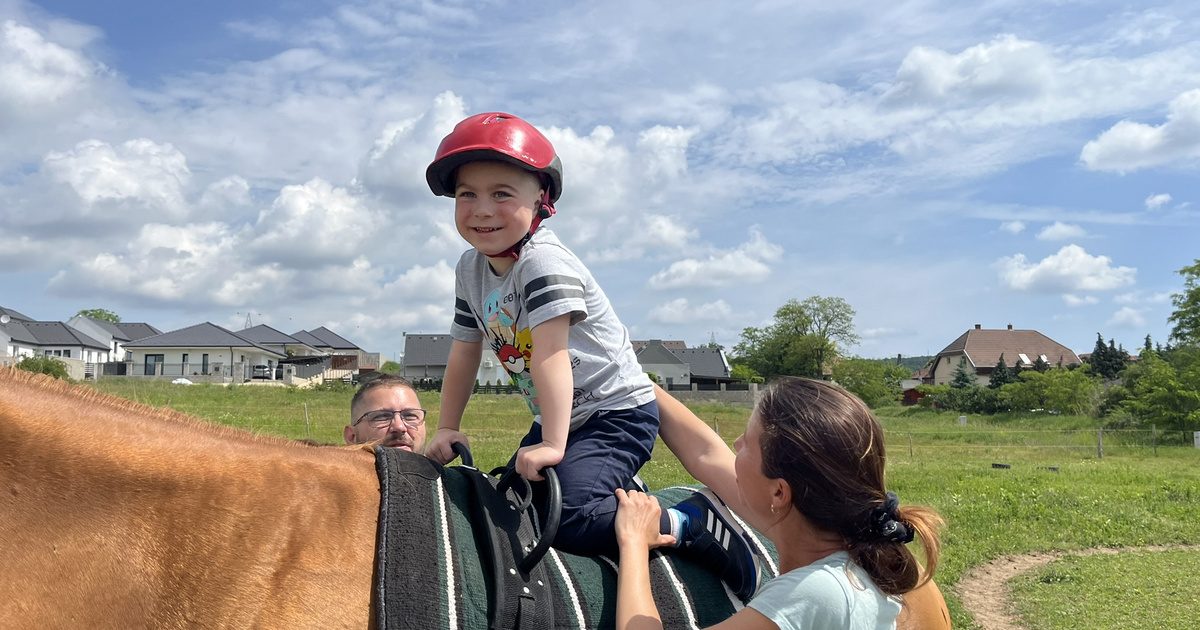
(602, 455)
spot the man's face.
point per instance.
(394, 434)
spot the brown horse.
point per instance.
(118, 515)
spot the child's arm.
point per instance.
(457, 386)
(703, 453)
(554, 382)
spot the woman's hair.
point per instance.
(825, 443)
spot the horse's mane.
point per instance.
(52, 387)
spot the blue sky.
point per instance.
(935, 164)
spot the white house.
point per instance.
(204, 351)
(115, 336)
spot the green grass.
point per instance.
(1133, 496)
(1103, 591)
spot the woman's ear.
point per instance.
(781, 495)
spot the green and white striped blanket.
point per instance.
(438, 579)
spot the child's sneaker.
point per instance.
(714, 537)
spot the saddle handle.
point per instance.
(464, 453)
(553, 512)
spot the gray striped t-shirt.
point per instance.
(547, 281)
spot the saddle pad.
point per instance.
(429, 573)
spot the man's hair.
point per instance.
(383, 380)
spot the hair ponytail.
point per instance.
(890, 563)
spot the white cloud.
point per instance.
(880, 332)
(315, 224)
(1141, 297)
(665, 149)
(140, 172)
(1127, 317)
(1079, 300)
(1070, 269)
(1013, 227)
(681, 311)
(1129, 146)
(656, 235)
(1154, 202)
(1006, 67)
(36, 73)
(1059, 231)
(745, 264)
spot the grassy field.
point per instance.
(1054, 494)
(1081, 592)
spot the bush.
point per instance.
(44, 365)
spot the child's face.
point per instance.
(494, 205)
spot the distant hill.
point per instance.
(912, 363)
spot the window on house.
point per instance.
(153, 361)
(204, 363)
(67, 353)
(185, 358)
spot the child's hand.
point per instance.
(637, 521)
(532, 459)
(439, 449)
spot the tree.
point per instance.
(1107, 361)
(1001, 375)
(803, 339)
(1156, 393)
(390, 367)
(44, 365)
(101, 314)
(1185, 319)
(1039, 365)
(963, 375)
(876, 383)
(743, 372)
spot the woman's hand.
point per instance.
(637, 523)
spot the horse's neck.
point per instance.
(124, 495)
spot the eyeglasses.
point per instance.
(412, 418)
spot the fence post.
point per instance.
(910, 451)
(307, 424)
(1154, 438)
(1100, 444)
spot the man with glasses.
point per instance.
(387, 408)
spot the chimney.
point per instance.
(1010, 326)
(978, 326)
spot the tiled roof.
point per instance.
(655, 353)
(137, 330)
(983, 348)
(669, 344)
(15, 329)
(330, 339)
(426, 349)
(15, 314)
(60, 334)
(303, 336)
(704, 362)
(263, 333)
(205, 335)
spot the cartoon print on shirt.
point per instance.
(499, 323)
(524, 344)
(512, 359)
(513, 348)
(524, 382)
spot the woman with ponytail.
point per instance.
(809, 474)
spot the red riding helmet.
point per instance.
(495, 136)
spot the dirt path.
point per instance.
(985, 593)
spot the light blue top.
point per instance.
(832, 593)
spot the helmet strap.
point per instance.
(545, 210)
